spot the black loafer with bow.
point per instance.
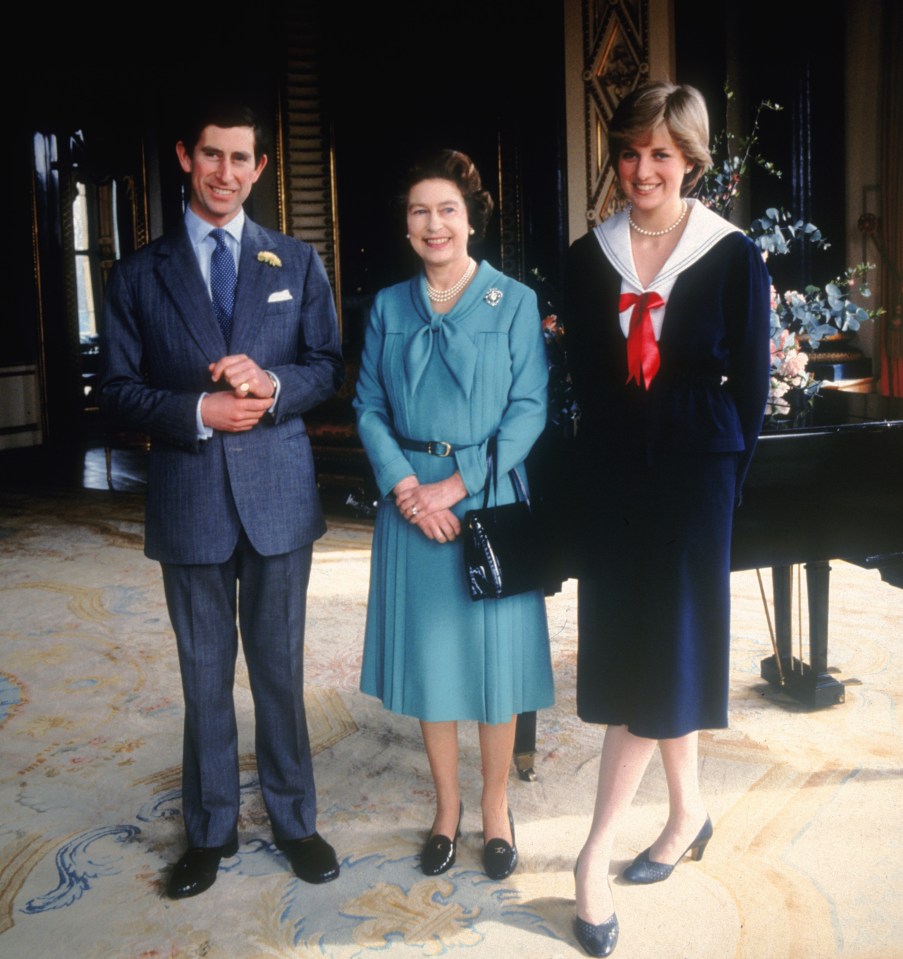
(439, 852)
(500, 856)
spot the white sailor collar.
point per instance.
(703, 230)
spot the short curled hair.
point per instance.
(459, 169)
(683, 112)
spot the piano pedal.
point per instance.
(798, 680)
(525, 763)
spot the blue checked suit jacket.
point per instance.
(160, 335)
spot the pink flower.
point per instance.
(778, 388)
(795, 364)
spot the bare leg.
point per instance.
(496, 747)
(441, 742)
(686, 809)
(621, 767)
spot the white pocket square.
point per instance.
(279, 296)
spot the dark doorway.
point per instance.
(486, 79)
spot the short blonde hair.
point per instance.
(683, 112)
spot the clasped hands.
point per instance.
(428, 505)
(243, 405)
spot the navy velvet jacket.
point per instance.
(709, 394)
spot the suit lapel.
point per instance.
(178, 272)
(255, 282)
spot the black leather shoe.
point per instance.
(195, 872)
(312, 858)
(438, 853)
(598, 940)
(499, 856)
(645, 870)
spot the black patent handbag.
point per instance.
(503, 552)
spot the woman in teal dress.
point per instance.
(451, 358)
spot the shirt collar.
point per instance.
(199, 229)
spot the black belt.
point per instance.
(433, 447)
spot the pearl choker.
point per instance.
(443, 296)
(673, 226)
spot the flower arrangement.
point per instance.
(817, 313)
(792, 386)
(563, 409)
(799, 320)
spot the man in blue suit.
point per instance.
(218, 337)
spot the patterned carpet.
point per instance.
(806, 861)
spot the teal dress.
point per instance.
(463, 376)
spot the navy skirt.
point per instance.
(654, 593)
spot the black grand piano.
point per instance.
(850, 465)
(851, 469)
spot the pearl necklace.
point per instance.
(673, 226)
(443, 296)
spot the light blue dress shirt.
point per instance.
(203, 245)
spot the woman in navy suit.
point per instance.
(667, 314)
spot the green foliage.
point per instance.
(821, 312)
(777, 231)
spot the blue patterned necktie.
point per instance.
(222, 282)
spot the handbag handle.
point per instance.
(520, 491)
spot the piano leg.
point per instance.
(811, 684)
(782, 586)
(525, 746)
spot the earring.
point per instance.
(472, 231)
(407, 236)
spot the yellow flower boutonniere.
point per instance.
(265, 256)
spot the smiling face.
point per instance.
(651, 174)
(438, 225)
(223, 169)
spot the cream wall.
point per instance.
(661, 64)
(576, 148)
(863, 142)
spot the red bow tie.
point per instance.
(642, 351)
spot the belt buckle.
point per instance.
(439, 448)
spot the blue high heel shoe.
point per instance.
(645, 870)
(599, 939)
